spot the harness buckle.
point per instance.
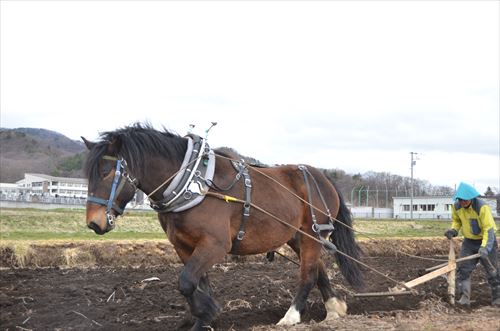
(188, 195)
(240, 235)
(315, 227)
(248, 182)
(110, 219)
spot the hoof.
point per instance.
(291, 317)
(201, 326)
(335, 308)
(464, 301)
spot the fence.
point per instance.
(371, 212)
(43, 199)
(49, 202)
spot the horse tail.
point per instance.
(343, 238)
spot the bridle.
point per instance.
(120, 179)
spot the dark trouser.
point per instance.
(465, 268)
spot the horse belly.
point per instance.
(264, 235)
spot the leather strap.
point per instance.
(246, 207)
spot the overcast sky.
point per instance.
(351, 85)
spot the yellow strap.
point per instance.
(230, 198)
(109, 157)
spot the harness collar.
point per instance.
(188, 188)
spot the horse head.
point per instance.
(110, 186)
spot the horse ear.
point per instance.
(89, 144)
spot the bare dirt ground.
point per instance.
(81, 287)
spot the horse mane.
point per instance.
(135, 144)
(231, 153)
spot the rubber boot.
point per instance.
(495, 296)
(464, 291)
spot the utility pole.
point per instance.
(413, 162)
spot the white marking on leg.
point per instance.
(291, 317)
(335, 308)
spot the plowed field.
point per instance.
(106, 286)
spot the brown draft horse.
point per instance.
(144, 158)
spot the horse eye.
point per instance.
(105, 169)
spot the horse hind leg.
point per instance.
(309, 258)
(292, 316)
(298, 305)
(335, 307)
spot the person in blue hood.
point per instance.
(473, 216)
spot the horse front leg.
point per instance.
(335, 306)
(194, 285)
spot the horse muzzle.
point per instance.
(97, 229)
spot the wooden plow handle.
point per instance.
(445, 268)
(465, 258)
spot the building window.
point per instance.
(427, 207)
(406, 207)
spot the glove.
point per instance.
(483, 252)
(451, 233)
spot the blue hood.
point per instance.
(466, 192)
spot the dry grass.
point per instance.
(64, 253)
(22, 251)
(76, 257)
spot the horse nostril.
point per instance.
(96, 228)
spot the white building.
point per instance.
(430, 207)
(371, 212)
(45, 185)
(10, 190)
(49, 189)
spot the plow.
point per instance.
(447, 268)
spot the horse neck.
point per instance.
(158, 173)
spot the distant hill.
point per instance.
(39, 151)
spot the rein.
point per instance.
(330, 247)
(366, 234)
(327, 245)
